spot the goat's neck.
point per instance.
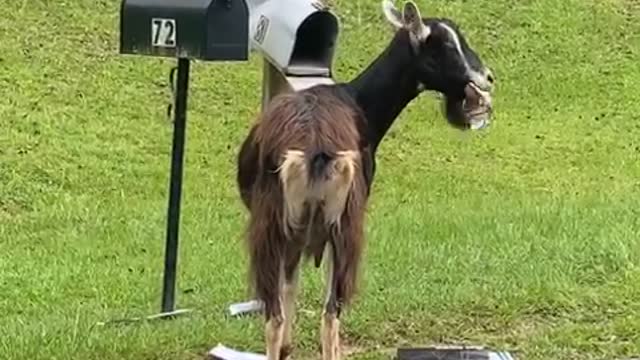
(386, 86)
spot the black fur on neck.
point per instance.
(386, 86)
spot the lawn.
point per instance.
(524, 237)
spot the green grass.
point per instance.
(523, 238)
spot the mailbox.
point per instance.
(191, 29)
(298, 37)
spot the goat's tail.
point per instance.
(317, 165)
(316, 177)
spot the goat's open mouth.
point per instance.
(476, 106)
(470, 109)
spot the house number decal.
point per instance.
(163, 32)
(261, 29)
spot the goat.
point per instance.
(306, 168)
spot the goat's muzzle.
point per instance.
(477, 106)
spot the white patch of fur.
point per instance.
(335, 191)
(290, 291)
(456, 42)
(329, 270)
(477, 78)
(426, 31)
(330, 323)
(273, 333)
(332, 193)
(293, 176)
(330, 337)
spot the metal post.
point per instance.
(173, 215)
(175, 188)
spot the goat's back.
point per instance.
(317, 119)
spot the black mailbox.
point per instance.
(191, 29)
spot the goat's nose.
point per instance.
(490, 77)
(484, 79)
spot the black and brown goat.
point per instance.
(306, 168)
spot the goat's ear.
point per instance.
(392, 14)
(412, 20)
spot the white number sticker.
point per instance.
(261, 29)
(163, 32)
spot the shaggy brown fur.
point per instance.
(301, 176)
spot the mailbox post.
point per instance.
(209, 30)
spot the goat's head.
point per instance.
(444, 62)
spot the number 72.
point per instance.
(163, 32)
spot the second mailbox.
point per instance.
(298, 37)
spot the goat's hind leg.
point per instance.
(330, 330)
(267, 247)
(274, 318)
(274, 330)
(290, 290)
(280, 301)
(280, 311)
(345, 248)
